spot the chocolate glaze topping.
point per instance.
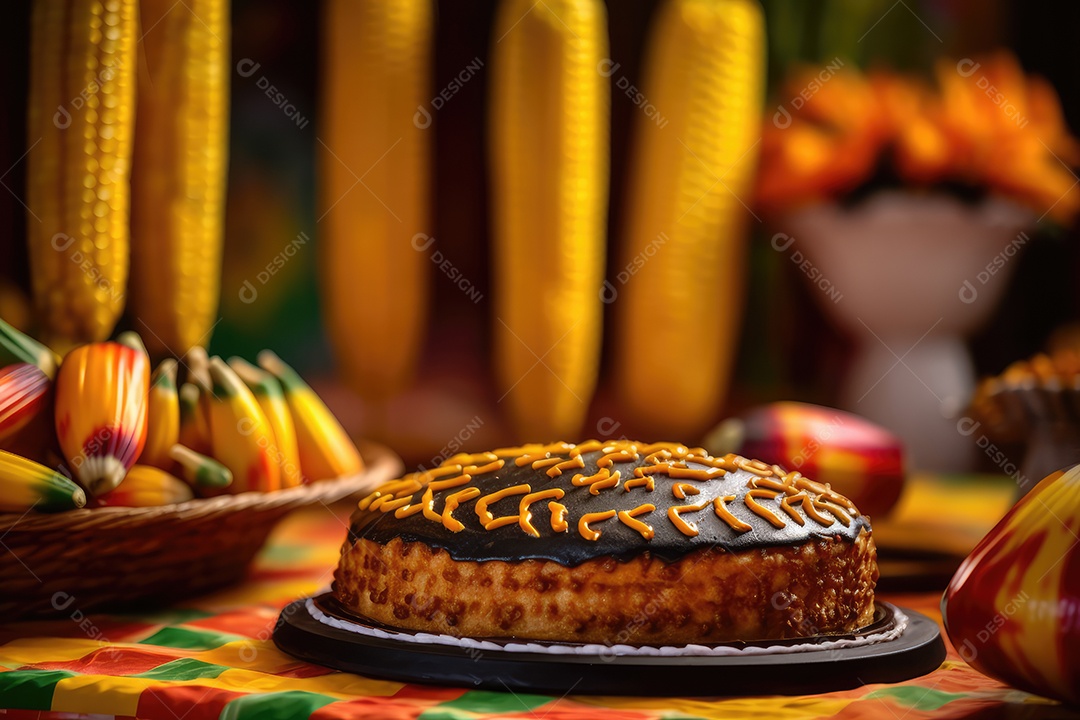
(571, 503)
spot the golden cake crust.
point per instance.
(609, 542)
(709, 596)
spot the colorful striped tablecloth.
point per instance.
(213, 658)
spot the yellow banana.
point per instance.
(194, 428)
(326, 451)
(203, 473)
(25, 485)
(163, 417)
(146, 486)
(271, 399)
(241, 438)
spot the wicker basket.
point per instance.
(114, 558)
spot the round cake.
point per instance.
(613, 542)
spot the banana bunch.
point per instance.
(133, 436)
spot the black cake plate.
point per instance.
(917, 651)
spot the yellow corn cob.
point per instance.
(146, 486)
(101, 402)
(549, 153)
(377, 68)
(271, 399)
(325, 449)
(82, 84)
(678, 316)
(163, 417)
(194, 427)
(24, 484)
(204, 474)
(240, 435)
(181, 150)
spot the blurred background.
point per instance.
(789, 348)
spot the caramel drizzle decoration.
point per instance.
(491, 466)
(571, 464)
(452, 502)
(720, 507)
(612, 455)
(675, 515)
(525, 516)
(601, 480)
(628, 518)
(679, 471)
(817, 501)
(785, 505)
(558, 517)
(471, 458)
(681, 490)
(387, 503)
(647, 482)
(583, 524)
(754, 466)
(586, 447)
(427, 502)
(751, 502)
(489, 521)
(836, 511)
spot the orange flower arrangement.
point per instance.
(985, 127)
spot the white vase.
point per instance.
(908, 277)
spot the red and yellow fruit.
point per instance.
(101, 408)
(17, 347)
(24, 397)
(1011, 609)
(860, 460)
